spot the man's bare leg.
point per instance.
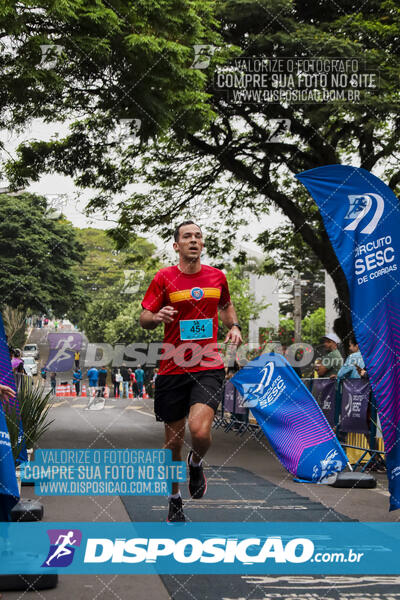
(174, 435)
(200, 421)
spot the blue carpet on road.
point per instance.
(234, 494)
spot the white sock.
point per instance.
(193, 463)
(174, 496)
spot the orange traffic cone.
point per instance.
(130, 392)
(84, 395)
(145, 394)
(58, 391)
(73, 391)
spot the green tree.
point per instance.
(105, 266)
(286, 331)
(37, 256)
(244, 302)
(14, 325)
(125, 328)
(112, 60)
(289, 254)
(313, 327)
(230, 164)
(113, 279)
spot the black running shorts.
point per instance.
(175, 394)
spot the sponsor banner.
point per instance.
(214, 548)
(361, 215)
(229, 397)
(355, 401)
(62, 347)
(76, 472)
(9, 494)
(324, 391)
(290, 418)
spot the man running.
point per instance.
(186, 298)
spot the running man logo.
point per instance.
(202, 55)
(360, 206)
(50, 55)
(278, 127)
(63, 543)
(62, 348)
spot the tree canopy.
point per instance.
(37, 257)
(214, 154)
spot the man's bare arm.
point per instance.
(229, 317)
(150, 320)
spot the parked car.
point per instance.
(30, 365)
(31, 350)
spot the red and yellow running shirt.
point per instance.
(191, 339)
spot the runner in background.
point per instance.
(186, 298)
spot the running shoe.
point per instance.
(175, 512)
(197, 479)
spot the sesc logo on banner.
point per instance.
(266, 392)
(360, 207)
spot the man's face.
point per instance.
(190, 243)
(329, 344)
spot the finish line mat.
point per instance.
(282, 587)
(235, 494)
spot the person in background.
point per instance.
(134, 385)
(77, 357)
(43, 373)
(114, 382)
(76, 380)
(125, 380)
(17, 363)
(153, 381)
(354, 360)
(93, 376)
(139, 374)
(53, 383)
(317, 365)
(332, 361)
(101, 382)
(118, 379)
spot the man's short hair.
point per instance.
(176, 232)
